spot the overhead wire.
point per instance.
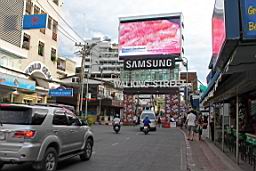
(70, 27)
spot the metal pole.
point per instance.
(222, 135)
(81, 80)
(102, 92)
(237, 127)
(87, 92)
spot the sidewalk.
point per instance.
(205, 156)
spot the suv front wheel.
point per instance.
(87, 151)
(49, 162)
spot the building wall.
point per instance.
(47, 38)
(192, 78)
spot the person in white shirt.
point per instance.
(191, 124)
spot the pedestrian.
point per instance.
(159, 121)
(200, 127)
(134, 120)
(191, 123)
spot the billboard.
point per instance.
(248, 8)
(150, 36)
(37, 21)
(61, 92)
(218, 29)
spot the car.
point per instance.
(152, 118)
(42, 136)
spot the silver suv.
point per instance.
(42, 136)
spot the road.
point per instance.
(130, 150)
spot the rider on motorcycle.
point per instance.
(146, 121)
(116, 120)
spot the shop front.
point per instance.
(14, 88)
(231, 93)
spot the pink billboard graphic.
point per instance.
(219, 35)
(153, 37)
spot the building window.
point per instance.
(56, 2)
(36, 10)
(29, 5)
(50, 22)
(41, 48)
(53, 54)
(54, 30)
(43, 29)
(61, 64)
(26, 41)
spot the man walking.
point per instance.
(191, 123)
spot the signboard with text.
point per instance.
(59, 92)
(249, 18)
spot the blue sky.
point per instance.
(100, 18)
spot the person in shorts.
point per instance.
(191, 123)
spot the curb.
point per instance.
(189, 159)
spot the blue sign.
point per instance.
(13, 81)
(60, 92)
(248, 8)
(37, 21)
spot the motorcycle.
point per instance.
(145, 129)
(116, 127)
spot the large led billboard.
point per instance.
(150, 36)
(218, 29)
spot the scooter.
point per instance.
(117, 127)
(145, 129)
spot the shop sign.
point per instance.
(61, 92)
(149, 63)
(150, 84)
(38, 67)
(37, 21)
(249, 18)
(13, 81)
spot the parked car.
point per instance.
(42, 135)
(152, 117)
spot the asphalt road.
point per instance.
(131, 150)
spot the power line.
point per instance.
(67, 35)
(61, 18)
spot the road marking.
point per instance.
(115, 144)
(137, 133)
(93, 153)
(127, 138)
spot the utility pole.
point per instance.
(83, 53)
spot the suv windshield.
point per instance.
(21, 115)
(150, 115)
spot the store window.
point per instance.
(41, 48)
(54, 30)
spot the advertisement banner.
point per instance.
(249, 18)
(151, 36)
(218, 30)
(129, 106)
(172, 104)
(13, 81)
(37, 21)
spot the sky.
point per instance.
(101, 18)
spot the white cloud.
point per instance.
(99, 18)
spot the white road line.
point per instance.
(115, 144)
(93, 153)
(127, 138)
(137, 133)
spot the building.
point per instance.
(36, 48)
(104, 62)
(231, 95)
